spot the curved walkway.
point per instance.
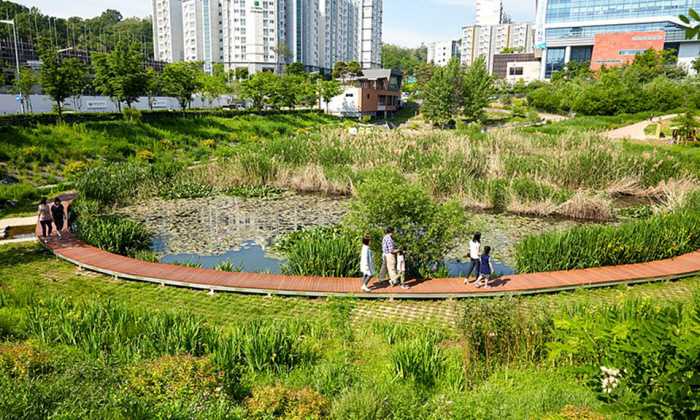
(636, 131)
(91, 258)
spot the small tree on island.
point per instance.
(23, 85)
(328, 89)
(442, 95)
(477, 88)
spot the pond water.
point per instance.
(213, 230)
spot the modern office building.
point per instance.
(264, 35)
(489, 12)
(580, 30)
(167, 30)
(486, 41)
(440, 53)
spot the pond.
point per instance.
(209, 231)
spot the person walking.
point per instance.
(44, 215)
(474, 255)
(401, 268)
(485, 269)
(388, 258)
(366, 264)
(58, 213)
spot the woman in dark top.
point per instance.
(59, 215)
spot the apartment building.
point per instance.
(489, 12)
(610, 32)
(486, 41)
(167, 30)
(264, 35)
(440, 53)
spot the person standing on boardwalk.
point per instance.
(59, 216)
(388, 258)
(474, 255)
(44, 216)
(366, 264)
(401, 268)
(485, 269)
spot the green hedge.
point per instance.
(146, 116)
(659, 237)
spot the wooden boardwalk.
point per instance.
(91, 258)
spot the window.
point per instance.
(515, 71)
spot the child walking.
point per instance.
(485, 268)
(401, 268)
(366, 264)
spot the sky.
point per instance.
(406, 22)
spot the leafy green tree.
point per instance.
(328, 89)
(295, 68)
(442, 95)
(61, 78)
(241, 73)
(24, 85)
(403, 59)
(182, 80)
(424, 229)
(258, 88)
(214, 85)
(477, 88)
(120, 74)
(340, 70)
(153, 86)
(693, 29)
(354, 69)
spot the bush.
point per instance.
(114, 234)
(280, 402)
(322, 251)
(659, 237)
(424, 229)
(111, 183)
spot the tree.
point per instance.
(328, 89)
(182, 80)
(477, 88)
(692, 31)
(214, 85)
(23, 85)
(403, 59)
(241, 73)
(153, 86)
(354, 69)
(61, 78)
(258, 88)
(340, 70)
(295, 68)
(120, 74)
(442, 95)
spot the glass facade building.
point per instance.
(567, 28)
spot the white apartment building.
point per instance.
(264, 35)
(485, 41)
(440, 53)
(202, 34)
(370, 33)
(489, 12)
(338, 39)
(167, 30)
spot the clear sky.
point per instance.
(406, 22)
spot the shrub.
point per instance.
(115, 234)
(323, 252)
(280, 402)
(145, 155)
(22, 360)
(74, 169)
(661, 236)
(419, 359)
(111, 183)
(424, 229)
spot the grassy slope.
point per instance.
(357, 360)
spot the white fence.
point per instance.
(42, 103)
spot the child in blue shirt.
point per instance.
(485, 268)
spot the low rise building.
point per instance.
(376, 92)
(440, 53)
(515, 67)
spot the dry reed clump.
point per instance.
(311, 178)
(587, 207)
(540, 208)
(672, 194)
(629, 185)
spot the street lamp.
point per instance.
(14, 34)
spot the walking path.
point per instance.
(636, 131)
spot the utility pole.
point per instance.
(14, 34)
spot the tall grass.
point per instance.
(420, 358)
(113, 233)
(323, 252)
(661, 236)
